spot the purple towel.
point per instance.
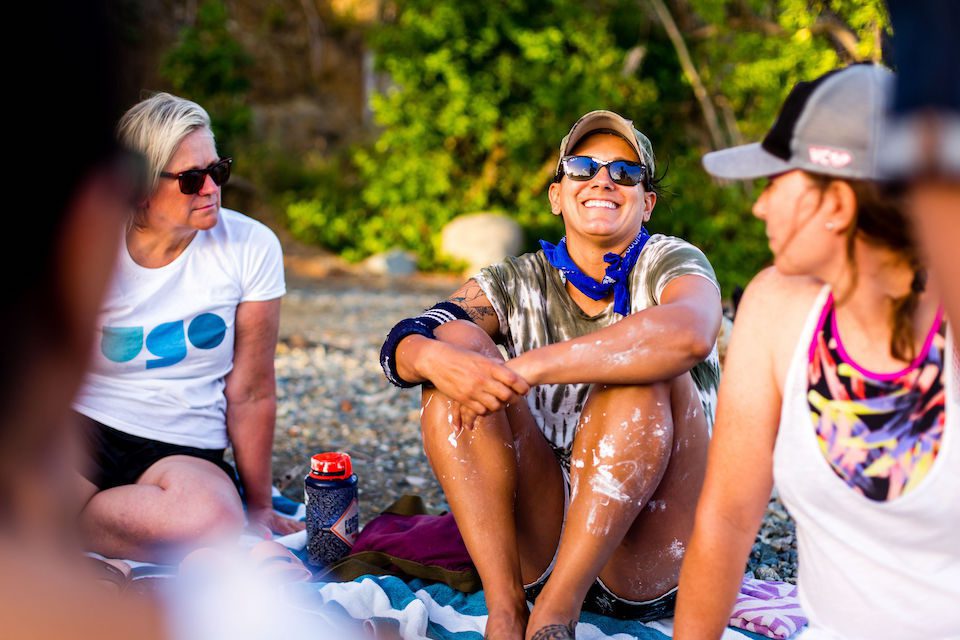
(768, 608)
(429, 540)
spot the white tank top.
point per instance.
(870, 569)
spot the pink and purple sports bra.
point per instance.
(880, 432)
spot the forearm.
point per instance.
(650, 346)
(710, 578)
(250, 426)
(418, 355)
(411, 355)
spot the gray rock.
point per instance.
(767, 573)
(395, 262)
(481, 239)
(416, 481)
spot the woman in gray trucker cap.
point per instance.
(839, 386)
(581, 494)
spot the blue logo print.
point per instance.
(167, 340)
(121, 344)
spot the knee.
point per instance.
(636, 392)
(468, 336)
(205, 515)
(631, 417)
(615, 399)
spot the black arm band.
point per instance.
(422, 325)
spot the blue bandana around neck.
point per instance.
(616, 277)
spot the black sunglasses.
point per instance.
(192, 181)
(623, 172)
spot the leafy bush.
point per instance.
(482, 93)
(209, 66)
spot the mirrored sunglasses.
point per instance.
(622, 172)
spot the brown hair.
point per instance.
(880, 221)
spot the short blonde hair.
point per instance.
(156, 126)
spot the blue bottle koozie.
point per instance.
(333, 518)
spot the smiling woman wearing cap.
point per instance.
(858, 433)
(582, 493)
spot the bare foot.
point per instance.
(556, 632)
(506, 625)
(551, 623)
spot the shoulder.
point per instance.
(774, 309)
(774, 292)
(667, 257)
(661, 243)
(517, 269)
(667, 252)
(533, 261)
(241, 228)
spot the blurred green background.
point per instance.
(367, 125)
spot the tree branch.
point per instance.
(690, 72)
(745, 23)
(844, 37)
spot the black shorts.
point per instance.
(113, 458)
(600, 599)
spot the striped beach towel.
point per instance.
(768, 608)
(419, 611)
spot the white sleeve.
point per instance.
(261, 272)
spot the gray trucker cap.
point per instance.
(832, 126)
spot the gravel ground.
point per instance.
(332, 396)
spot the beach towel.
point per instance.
(769, 608)
(407, 542)
(416, 609)
(764, 608)
(434, 611)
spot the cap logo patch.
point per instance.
(827, 157)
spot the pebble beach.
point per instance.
(332, 396)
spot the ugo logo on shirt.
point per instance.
(167, 341)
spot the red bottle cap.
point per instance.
(334, 465)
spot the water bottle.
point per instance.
(333, 519)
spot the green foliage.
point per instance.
(752, 57)
(211, 68)
(482, 93)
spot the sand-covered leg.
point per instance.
(484, 472)
(622, 453)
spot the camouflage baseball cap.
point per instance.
(608, 121)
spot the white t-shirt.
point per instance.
(165, 336)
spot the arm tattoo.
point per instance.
(479, 313)
(471, 293)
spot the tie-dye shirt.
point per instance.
(879, 432)
(535, 310)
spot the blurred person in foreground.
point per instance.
(581, 495)
(77, 188)
(82, 187)
(838, 385)
(187, 336)
(922, 145)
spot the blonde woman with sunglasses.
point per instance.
(184, 360)
(573, 467)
